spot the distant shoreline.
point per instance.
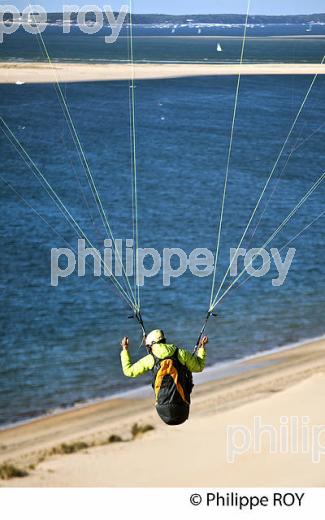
(24, 72)
(207, 18)
(229, 37)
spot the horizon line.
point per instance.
(209, 14)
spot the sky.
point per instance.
(189, 6)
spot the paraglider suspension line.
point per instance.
(208, 316)
(137, 315)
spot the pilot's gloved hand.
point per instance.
(125, 343)
(204, 341)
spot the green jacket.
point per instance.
(194, 363)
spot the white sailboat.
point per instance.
(219, 48)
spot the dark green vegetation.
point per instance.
(8, 471)
(114, 438)
(138, 429)
(73, 447)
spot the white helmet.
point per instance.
(155, 336)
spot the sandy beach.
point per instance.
(287, 385)
(24, 72)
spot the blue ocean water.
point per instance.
(60, 346)
(280, 43)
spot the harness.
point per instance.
(172, 381)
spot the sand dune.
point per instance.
(13, 72)
(287, 385)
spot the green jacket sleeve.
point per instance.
(136, 369)
(196, 362)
